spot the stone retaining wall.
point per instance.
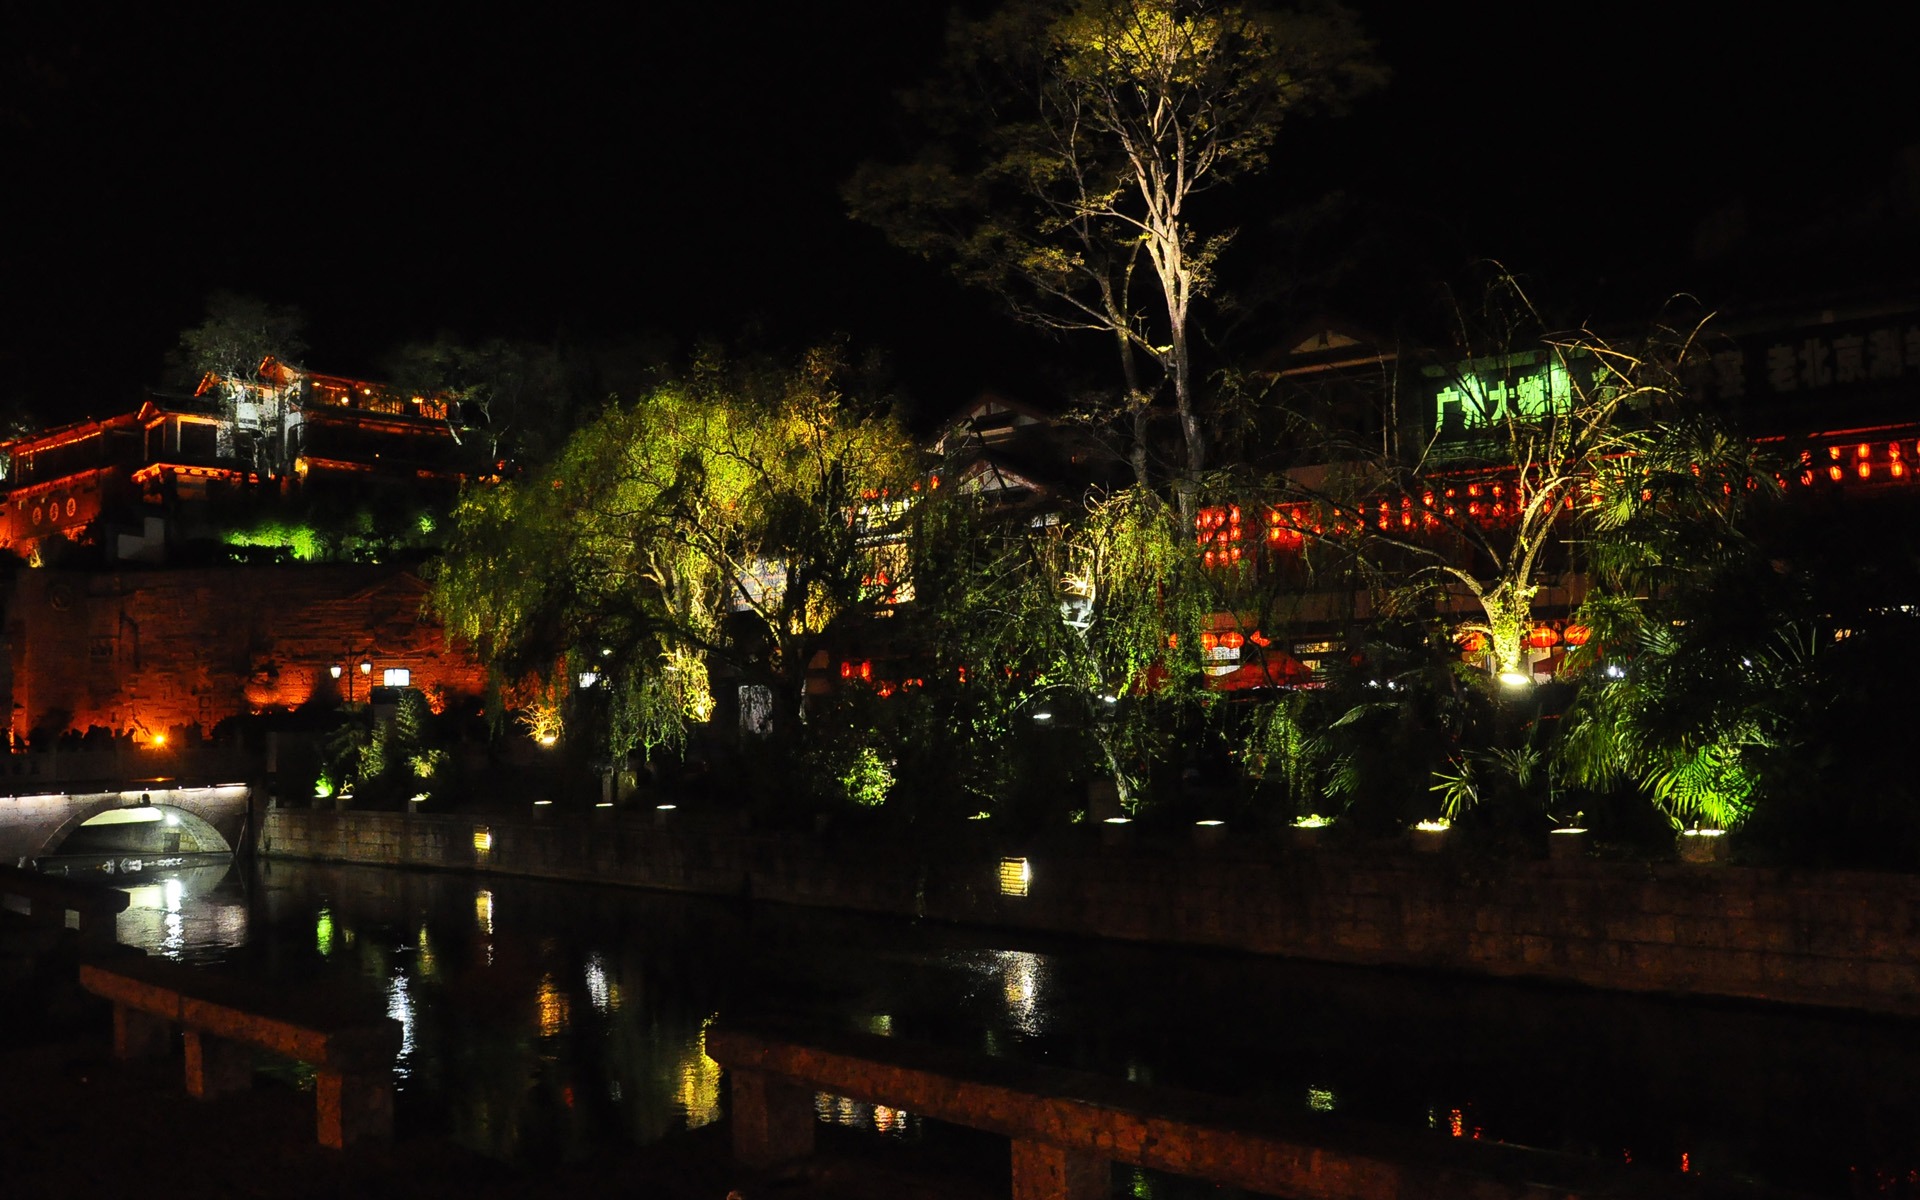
(1834, 939)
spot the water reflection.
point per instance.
(577, 1021)
(876, 1118)
(185, 914)
(400, 1008)
(600, 992)
(555, 1007)
(697, 1090)
(1019, 979)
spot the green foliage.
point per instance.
(731, 516)
(867, 779)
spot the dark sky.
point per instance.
(674, 168)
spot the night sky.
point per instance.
(672, 172)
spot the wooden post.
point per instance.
(352, 1107)
(216, 1066)
(772, 1119)
(137, 1034)
(1043, 1172)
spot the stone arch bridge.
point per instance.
(184, 817)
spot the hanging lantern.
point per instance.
(1542, 637)
(1577, 635)
(1473, 642)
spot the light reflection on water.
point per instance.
(542, 1022)
(184, 915)
(400, 1008)
(875, 1118)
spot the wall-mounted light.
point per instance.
(1016, 876)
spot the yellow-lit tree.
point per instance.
(731, 516)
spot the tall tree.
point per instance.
(237, 335)
(226, 350)
(1068, 143)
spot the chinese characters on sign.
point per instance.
(1522, 388)
(1783, 364)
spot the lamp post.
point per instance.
(365, 667)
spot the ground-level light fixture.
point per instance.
(1515, 679)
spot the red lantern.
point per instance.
(1577, 635)
(1542, 637)
(1473, 642)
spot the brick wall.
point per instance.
(147, 650)
(1836, 939)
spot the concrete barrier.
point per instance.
(1069, 1127)
(222, 1021)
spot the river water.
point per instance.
(543, 1022)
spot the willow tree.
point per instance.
(730, 518)
(1068, 145)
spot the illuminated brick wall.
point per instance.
(147, 650)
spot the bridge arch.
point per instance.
(207, 819)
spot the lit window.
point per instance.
(397, 677)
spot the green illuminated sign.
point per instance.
(1518, 387)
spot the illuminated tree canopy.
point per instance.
(726, 520)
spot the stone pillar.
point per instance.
(772, 1119)
(138, 1034)
(1043, 1172)
(216, 1066)
(352, 1107)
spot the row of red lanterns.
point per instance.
(1542, 636)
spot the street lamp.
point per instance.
(336, 670)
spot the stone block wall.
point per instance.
(1830, 939)
(148, 650)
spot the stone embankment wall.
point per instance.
(1834, 939)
